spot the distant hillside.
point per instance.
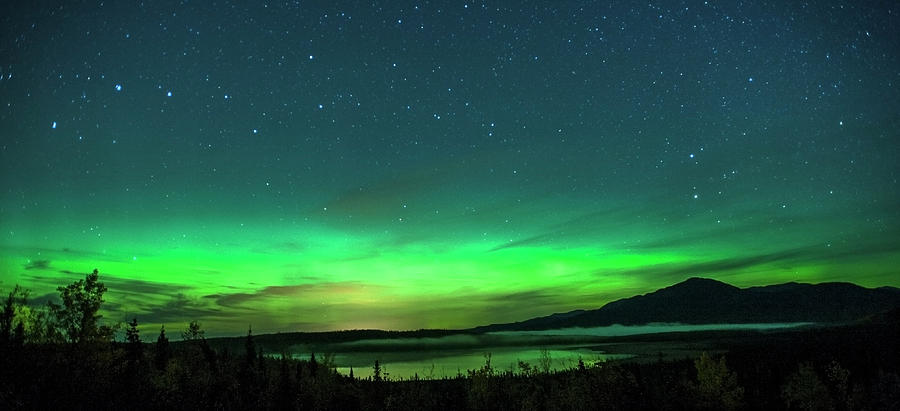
(706, 301)
(283, 342)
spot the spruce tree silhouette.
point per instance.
(194, 335)
(313, 365)
(193, 332)
(250, 348)
(134, 348)
(134, 363)
(248, 374)
(285, 395)
(163, 352)
(133, 340)
(376, 372)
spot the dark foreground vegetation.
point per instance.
(61, 357)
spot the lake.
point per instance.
(449, 363)
(455, 354)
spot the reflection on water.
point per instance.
(449, 364)
(455, 354)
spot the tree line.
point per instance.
(63, 356)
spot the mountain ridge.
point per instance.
(700, 300)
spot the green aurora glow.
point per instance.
(456, 174)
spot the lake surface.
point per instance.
(455, 354)
(618, 330)
(449, 363)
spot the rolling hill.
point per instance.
(707, 301)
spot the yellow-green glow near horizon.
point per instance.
(336, 281)
(297, 172)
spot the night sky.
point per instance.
(401, 165)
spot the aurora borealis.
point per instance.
(400, 165)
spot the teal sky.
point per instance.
(402, 165)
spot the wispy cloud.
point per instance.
(575, 227)
(180, 308)
(675, 271)
(234, 300)
(141, 287)
(810, 254)
(37, 265)
(284, 247)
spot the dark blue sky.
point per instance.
(614, 147)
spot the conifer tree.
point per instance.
(134, 346)
(193, 332)
(162, 354)
(285, 392)
(376, 371)
(313, 364)
(132, 335)
(250, 348)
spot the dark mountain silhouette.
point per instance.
(707, 301)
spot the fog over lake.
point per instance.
(617, 330)
(455, 354)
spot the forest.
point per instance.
(63, 355)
